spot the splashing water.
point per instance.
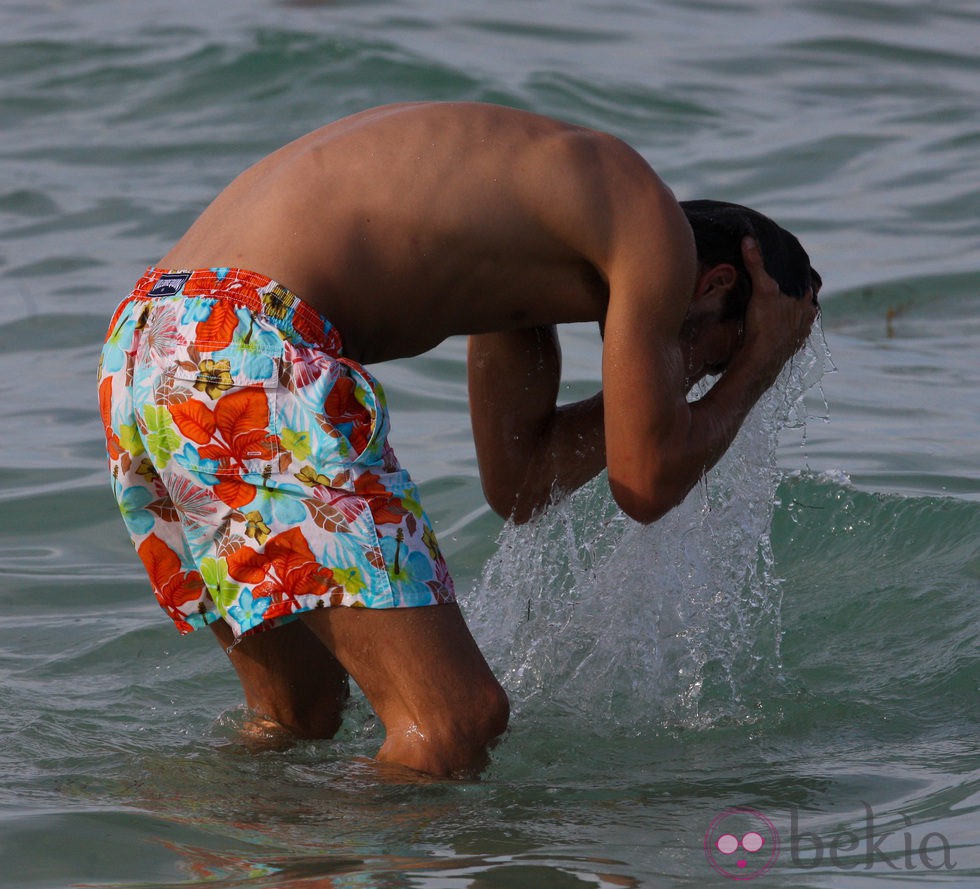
(588, 615)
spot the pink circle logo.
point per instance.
(741, 844)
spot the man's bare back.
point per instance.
(408, 224)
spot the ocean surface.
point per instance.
(791, 656)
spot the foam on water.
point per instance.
(587, 614)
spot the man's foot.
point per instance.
(259, 734)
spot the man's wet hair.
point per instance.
(719, 228)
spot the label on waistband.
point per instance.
(168, 285)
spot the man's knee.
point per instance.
(452, 744)
(496, 713)
(472, 729)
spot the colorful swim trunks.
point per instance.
(250, 458)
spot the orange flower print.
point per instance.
(216, 332)
(173, 587)
(285, 570)
(234, 431)
(105, 410)
(386, 508)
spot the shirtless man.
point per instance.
(248, 444)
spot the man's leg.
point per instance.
(426, 679)
(292, 683)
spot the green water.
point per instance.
(799, 639)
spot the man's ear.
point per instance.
(716, 281)
(712, 288)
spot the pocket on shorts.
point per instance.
(221, 404)
(332, 413)
(367, 418)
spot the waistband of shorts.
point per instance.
(256, 292)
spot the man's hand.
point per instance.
(776, 325)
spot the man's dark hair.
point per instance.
(719, 228)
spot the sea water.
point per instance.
(791, 654)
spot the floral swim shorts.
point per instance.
(250, 458)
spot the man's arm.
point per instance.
(658, 444)
(528, 448)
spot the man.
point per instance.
(248, 444)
